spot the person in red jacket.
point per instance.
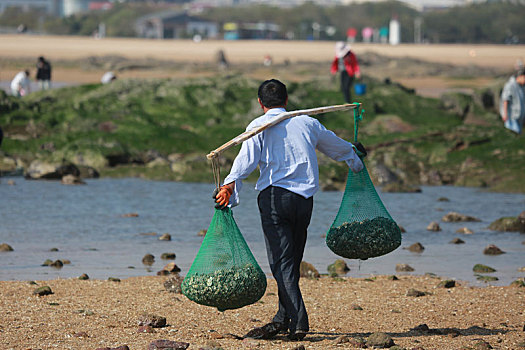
(346, 63)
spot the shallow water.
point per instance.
(85, 223)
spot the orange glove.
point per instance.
(222, 197)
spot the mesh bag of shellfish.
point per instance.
(363, 228)
(224, 273)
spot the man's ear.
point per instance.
(286, 102)
(262, 106)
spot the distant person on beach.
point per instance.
(512, 102)
(289, 177)
(20, 85)
(108, 77)
(345, 62)
(43, 73)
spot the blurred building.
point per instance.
(174, 25)
(53, 7)
(60, 8)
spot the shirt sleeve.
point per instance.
(338, 149)
(243, 165)
(506, 94)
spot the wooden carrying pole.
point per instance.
(279, 118)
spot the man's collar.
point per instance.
(274, 111)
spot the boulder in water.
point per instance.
(308, 270)
(512, 224)
(491, 249)
(433, 226)
(457, 217)
(4, 247)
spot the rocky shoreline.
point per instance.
(458, 141)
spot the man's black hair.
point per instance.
(272, 93)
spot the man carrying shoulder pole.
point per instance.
(289, 177)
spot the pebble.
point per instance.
(81, 335)
(380, 340)
(173, 284)
(482, 345)
(152, 320)
(300, 347)
(122, 347)
(447, 284)
(457, 241)
(113, 279)
(145, 329)
(415, 293)
(130, 215)
(420, 328)
(83, 277)
(202, 233)
(44, 290)
(216, 335)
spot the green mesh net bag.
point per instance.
(224, 273)
(363, 228)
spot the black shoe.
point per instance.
(298, 335)
(267, 331)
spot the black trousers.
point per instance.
(346, 86)
(285, 217)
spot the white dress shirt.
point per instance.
(285, 154)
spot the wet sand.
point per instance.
(99, 313)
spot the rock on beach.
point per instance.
(492, 249)
(457, 217)
(416, 248)
(404, 268)
(433, 226)
(509, 224)
(308, 270)
(163, 344)
(4, 247)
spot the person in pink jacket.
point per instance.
(346, 63)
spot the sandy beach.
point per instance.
(72, 47)
(101, 313)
